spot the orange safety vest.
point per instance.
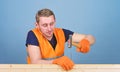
(46, 49)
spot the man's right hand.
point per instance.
(85, 46)
(64, 62)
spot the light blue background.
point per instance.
(101, 18)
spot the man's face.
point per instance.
(46, 25)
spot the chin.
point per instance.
(48, 35)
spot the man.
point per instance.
(45, 43)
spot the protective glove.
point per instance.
(64, 62)
(85, 46)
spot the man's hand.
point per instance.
(85, 46)
(64, 62)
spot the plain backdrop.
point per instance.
(101, 18)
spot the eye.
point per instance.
(44, 25)
(52, 23)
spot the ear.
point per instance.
(36, 25)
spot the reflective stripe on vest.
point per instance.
(52, 58)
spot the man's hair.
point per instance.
(44, 13)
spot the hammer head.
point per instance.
(70, 41)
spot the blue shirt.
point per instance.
(32, 40)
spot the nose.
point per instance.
(49, 28)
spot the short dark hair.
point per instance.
(44, 13)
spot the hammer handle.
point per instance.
(77, 45)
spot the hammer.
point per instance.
(70, 43)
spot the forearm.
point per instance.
(91, 39)
(78, 37)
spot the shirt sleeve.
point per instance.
(67, 33)
(31, 39)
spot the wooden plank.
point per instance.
(56, 68)
(5, 68)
